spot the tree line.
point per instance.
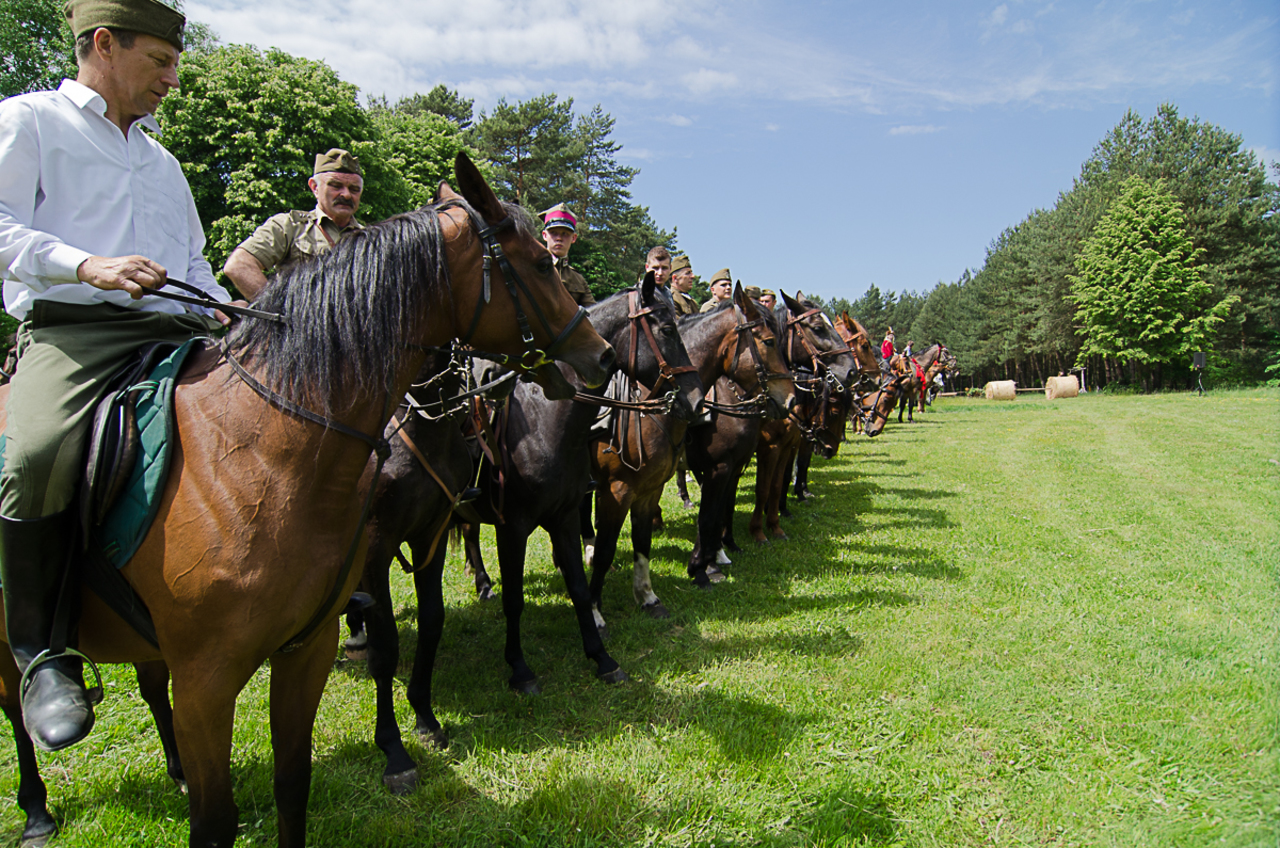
(246, 125)
(1167, 243)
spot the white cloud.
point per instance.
(999, 15)
(676, 120)
(705, 80)
(915, 129)
(1267, 156)
(772, 127)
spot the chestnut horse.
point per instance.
(262, 515)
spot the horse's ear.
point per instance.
(646, 288)
(793, 303)
(857, 326)
(477, 192)
(746, 304)
(445, 192)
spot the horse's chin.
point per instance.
(553, 383)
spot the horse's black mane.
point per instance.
(352, 311)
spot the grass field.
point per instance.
(1023, 623)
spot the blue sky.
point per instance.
(821, 146)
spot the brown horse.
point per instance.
(913, 369)
(823, 368)
(262, 511)
(630, 474)
(720, 450)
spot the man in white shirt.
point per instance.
(93, 212)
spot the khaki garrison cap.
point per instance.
(722, 274)
(680, 263)
(339, 161)
(752, 292)
(764, 292)
(148, 17)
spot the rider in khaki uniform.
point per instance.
(337, 183)
(560, 231)
(681, 285)
(721, 289)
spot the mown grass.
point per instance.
(1028, 623)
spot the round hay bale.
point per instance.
(1001, 390)
(1061, 387)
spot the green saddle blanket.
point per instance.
(126, 523)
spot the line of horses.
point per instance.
(297, 459)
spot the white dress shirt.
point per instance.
(73, 186)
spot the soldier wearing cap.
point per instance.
(93, 213)
(681, 285)
(337, 182)
(560, 231)
(721, 290)
(769, 298)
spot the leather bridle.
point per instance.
(756, 404)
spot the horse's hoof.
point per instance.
(525, 687)
(688, 504)
(656, 610)
(181, 783)
(38, 835)
(700, 579)
(780, 536)
(357, 656)
(785, 513)
(403, 783)
(486, 593)
(615, 676)
(714, 574)
(760, 540)
(730, 545)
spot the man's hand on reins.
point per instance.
(133, 274)
(225, 318)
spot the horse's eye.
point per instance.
(545, 264)
(769, 343)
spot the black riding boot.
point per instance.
(34, 557)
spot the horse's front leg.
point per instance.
(205, 687)
(512, 543)
(427, 581)
(642, 546)
(474, 559)
(401, 773)
(153, 685)
(609, 517)
(33, 798)
(566, 550)
(766, 466)
(297, 682)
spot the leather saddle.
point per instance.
(114, 437)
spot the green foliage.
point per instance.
(542, 156)
(441, 101)
(36, 50)
(421, 146)
(246, 125)
(1140, 291)
(1015, 318)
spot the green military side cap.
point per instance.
(764, 292)
(680, 263)
(149, 17)
(338, 161)
(722, 274)
(752, 292)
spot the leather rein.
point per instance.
(755, 405)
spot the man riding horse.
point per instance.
(93, 213)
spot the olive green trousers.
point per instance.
(66, 353)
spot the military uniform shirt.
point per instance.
(685, 305)
(575, 283)
(710, 304)
(295, 235)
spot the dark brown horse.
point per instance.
(546, 468)
(262, 511)
(823, 368)
(913, 368)
(719, 451)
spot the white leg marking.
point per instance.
(595, 613)
(722, 558)
(640, 584)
